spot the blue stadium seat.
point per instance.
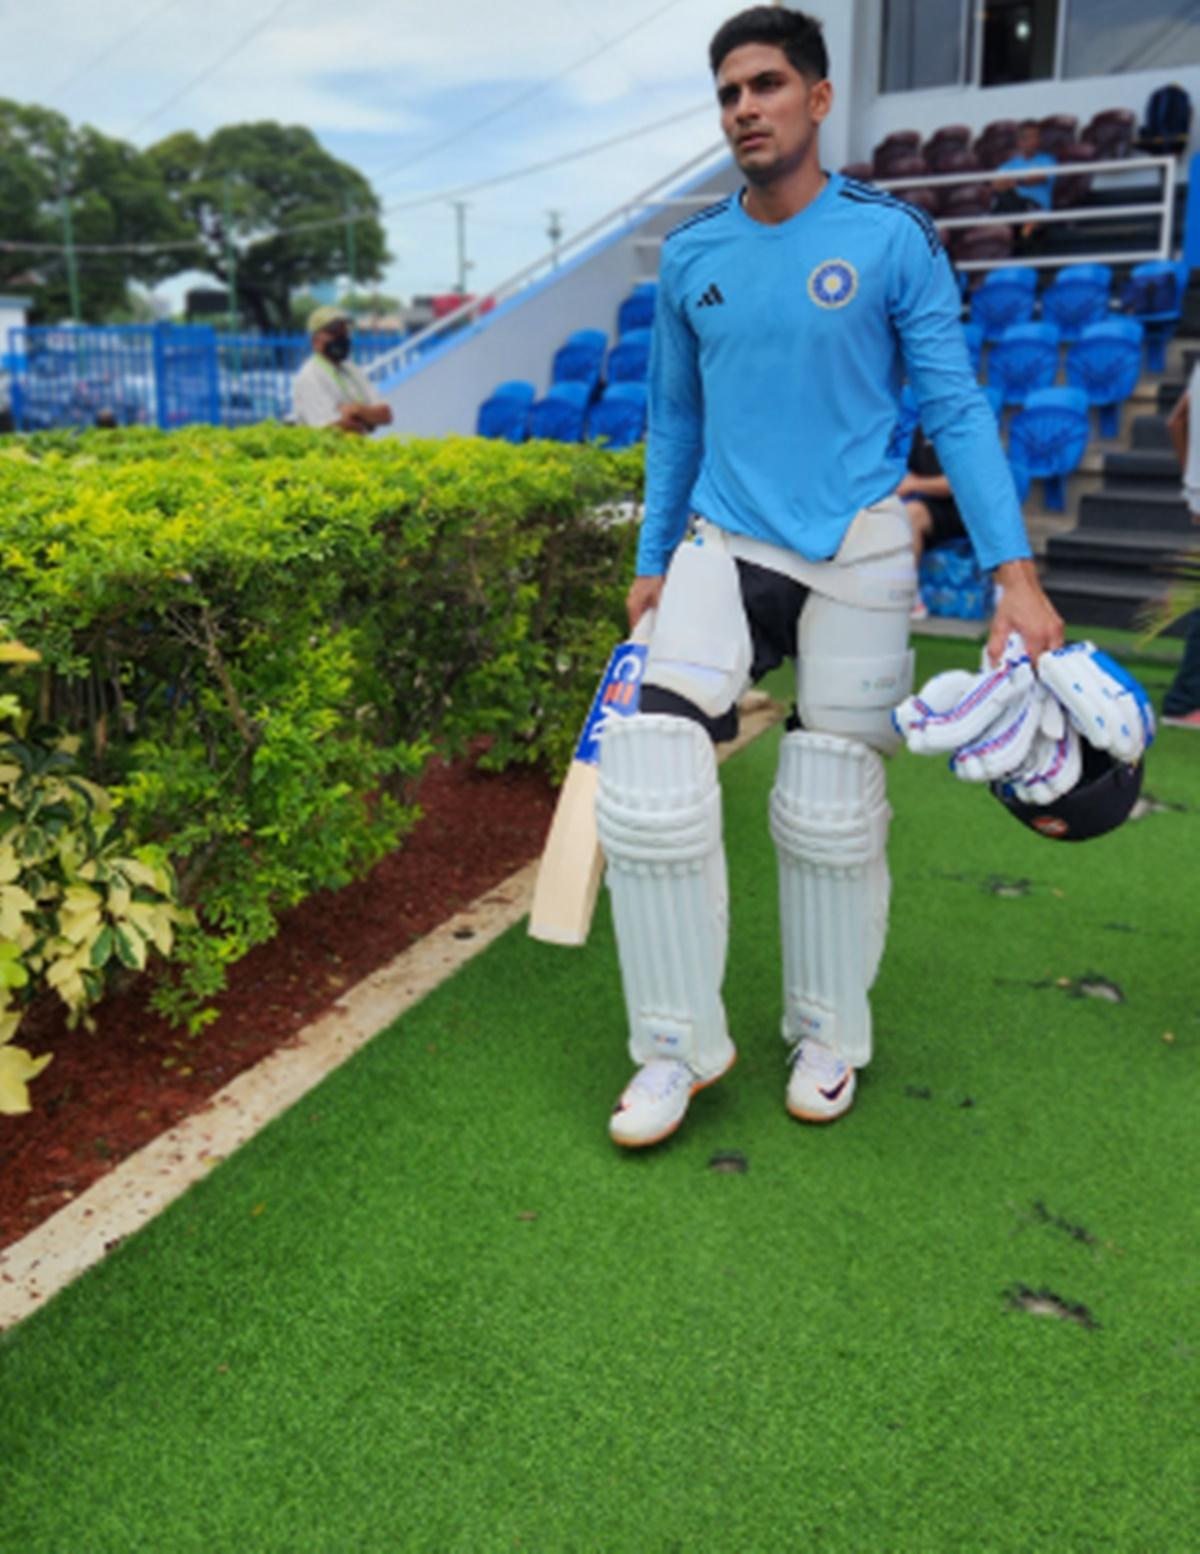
(629, 359)
(994, 395)
(505, 413)
(580, 360)
(619, 417)
(1153, 294)
(973, 334)
(637, 310)
(1048, 438)
(559, 417)
(1023, 359)
(1076, 297)
(1106, 363)
(1004, 296)
(900, 443)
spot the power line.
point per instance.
(521, 98)
(210, 70)
(440, 196)
(111, 48)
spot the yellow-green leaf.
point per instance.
(17, 1068)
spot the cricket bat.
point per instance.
(572, 864)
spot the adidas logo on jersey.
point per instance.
(711, 297)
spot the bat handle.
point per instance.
(645, 625)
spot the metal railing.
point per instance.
(624, 218)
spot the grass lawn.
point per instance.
(432, 1308)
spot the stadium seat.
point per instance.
(944, 141)
(996, 143)
(1048, 438)
(899, 144)
(580, 359)
(924, 197)
(1168, 122)
(637, 310)
(505, 413)
(900, 443)
(629, 359)
(965, 199)
(1071, 189)
(970, 244)
(618, 418)
(973, 334)
(1153, 294)
(1111, 132)
(1077, 296)
(1106, 363)
(862, 171)
(1057, 130)
(559, 417)
(1023, 359)
(1005, 296)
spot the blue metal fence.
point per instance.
(166, 375)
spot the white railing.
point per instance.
(626, 215)
(1164, 207)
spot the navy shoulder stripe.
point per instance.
(706, 214)
(868, 194)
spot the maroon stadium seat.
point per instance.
(1058, 130)
(981, 243)
(927, 199)
(950, 138)
(863, 171)
(997, 142)
(1111, 132)
(966, 199)
(1073, 188)
(900, 143)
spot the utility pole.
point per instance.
(230, 254)
(351, 250)
(554, 232)
(69, 245)
(464, 264)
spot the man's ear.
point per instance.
(820, 100)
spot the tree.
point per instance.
(249, 181)
(112, 195)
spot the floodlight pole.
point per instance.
(464, 264)
(69, 245)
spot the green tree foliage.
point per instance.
(116, 197)
(271, 177)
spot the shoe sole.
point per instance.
(701, 1084)
(828, 1117)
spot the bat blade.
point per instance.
(571, 867)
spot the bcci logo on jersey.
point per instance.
(833, 284)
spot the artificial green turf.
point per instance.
(432, 1308)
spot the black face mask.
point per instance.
(338, 349)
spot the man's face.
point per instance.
(332, 335)
(1028, 139)
(769, 111)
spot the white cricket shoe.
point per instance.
(821, 1087)
(655, 1101)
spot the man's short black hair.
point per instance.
(798, 35)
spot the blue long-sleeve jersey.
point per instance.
(775, 372)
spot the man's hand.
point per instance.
(1023, 608)
(643, 595)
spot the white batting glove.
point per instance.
(1104, 703)
(956, 708)
(1003, 749)
(1053, 768)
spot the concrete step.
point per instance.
(1146, 550)
(1150, 432)
(1149, 507)
(1157, 466)
(1093, 597)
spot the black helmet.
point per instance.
(1102, 798)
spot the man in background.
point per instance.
(329, 390)
(1028, 194)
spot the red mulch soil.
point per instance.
(110, 1091)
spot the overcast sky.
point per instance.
(393, 87)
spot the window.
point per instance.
(1019, 41)
(1108, 36)
(922, 44)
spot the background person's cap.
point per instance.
(322, 318)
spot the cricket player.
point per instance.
(788, 316)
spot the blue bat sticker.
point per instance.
(617, 697)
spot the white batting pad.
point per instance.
(700, 647)
(852, 666)
(658, 814)
(955, 708)
(829, 821)
(1106, 706)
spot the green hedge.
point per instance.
(260, 636)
